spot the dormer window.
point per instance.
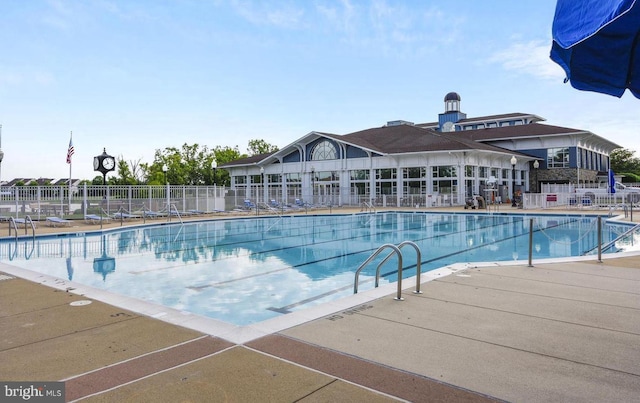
(324, 150)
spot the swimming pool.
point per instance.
(243, 271)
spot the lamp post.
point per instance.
(313, 186)
(514, 161)
(536, 165)
(214, 165)
(164, 170)
(264, 189)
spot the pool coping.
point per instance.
(240, 334)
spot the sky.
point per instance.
(136, 76)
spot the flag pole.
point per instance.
(70, 152)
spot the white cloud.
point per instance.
(530, 58)
(278, 14)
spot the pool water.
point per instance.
(244, 271)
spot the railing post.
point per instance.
(531, 242)
(599, 239)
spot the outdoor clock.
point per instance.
(108, 163)
(104, 163)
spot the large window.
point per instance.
(324, 150)
(558, 157)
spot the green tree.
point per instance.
(624, 162)
(257, 147)
(189, 165)
(224, 155)
(125, 176)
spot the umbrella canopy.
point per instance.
(612, 182)
(597, 43)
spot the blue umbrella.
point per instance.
(597, 43)
(612, 182)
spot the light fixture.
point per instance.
(514, 161)
(214, 165)
(536, 164)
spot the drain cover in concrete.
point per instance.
(80, 303)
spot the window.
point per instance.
(240, 180)
(386, 173)
(360, 175)
(324, 150)
(294, 177)
(470, 171)
(558, 157)
(445, 171)
(274, 178)
(418, 172)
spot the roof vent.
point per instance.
(399, 122)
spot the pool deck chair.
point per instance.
(152, 214)
(125, 216)
(57, 221)
(23, 221)
(95, 219)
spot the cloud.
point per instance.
(530, 58)
(278, 14)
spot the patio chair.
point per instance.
(95, 219)
(125, 216)
(57, 221)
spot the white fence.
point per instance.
(45, 201)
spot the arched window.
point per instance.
(324, 150)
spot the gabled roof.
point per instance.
(385, 140)
(408, 139)
(404, 139)
(252, 160)
(488, 118)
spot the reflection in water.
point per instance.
(247, 270)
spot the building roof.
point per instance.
(404, 139)
(385, 140)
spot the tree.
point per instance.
(623, 162)
(257, 147)
(225, 155)
(125, 176)
(190, 165)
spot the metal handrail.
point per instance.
(367, 206)
(397, 251)
(173, 206)
(12, 223)
(27, 220)
(418, 264)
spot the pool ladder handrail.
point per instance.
(172, 208)
(418, 264)
(366, 206)
(396, 250)
(27, 220)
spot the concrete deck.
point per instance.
(554, 332)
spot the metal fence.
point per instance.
(40, 202)
(46, 201)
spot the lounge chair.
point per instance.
(23, 221)
(94, 218)
(126, 216)
(57, 221)
(249, 205)
(152, 214)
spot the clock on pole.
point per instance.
(104, 163)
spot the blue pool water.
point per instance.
(247, 270)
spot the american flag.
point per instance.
(70, 151)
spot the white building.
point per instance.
(426, 164)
